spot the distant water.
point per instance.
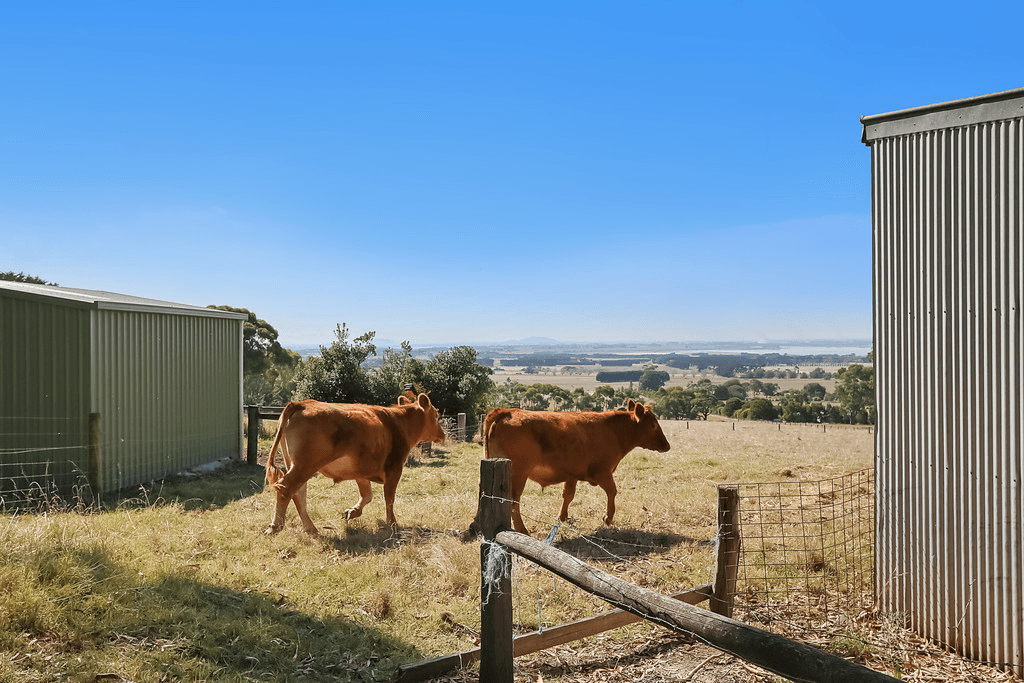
(792, 350)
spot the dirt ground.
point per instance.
(660, 656)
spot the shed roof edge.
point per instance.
(1008, 104)
(95, 299)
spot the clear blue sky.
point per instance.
(473, 171)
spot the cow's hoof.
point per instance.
(271, 530)
(352, 513)
(608, 521)
(312, 531)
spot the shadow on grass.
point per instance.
(232, 481)
(437, 458)
(180, 628)
(611, 542)
(368, 539)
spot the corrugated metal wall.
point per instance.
(44, 399)
(167, 390)
(948, 244)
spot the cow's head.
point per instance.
(432, 427)
(649, 429)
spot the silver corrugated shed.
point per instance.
(948, 250)
(164, 378)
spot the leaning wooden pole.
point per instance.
(493, 516)
(795, 661)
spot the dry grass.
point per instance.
(180, 583)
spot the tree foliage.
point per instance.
(456, 382)
(855, 392)
(11, 276)
(268, 368)
(337, 375)
(653, 379)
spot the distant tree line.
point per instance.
(458, 383)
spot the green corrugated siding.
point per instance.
(167, 389)
(44, 366)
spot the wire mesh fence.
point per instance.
(807, 551)
(42, 460)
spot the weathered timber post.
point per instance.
(95, 457)
(728, 560)
(252, 434)
(493, 516)
(460, 421)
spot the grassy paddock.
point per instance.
(180, 583)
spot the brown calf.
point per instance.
(347, 441)
(551, 448)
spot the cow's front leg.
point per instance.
(365, 496)
(568, 493)
(609, 487)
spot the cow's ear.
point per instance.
(424, 401)
(402, 400)
(638, 410)
(630, 405)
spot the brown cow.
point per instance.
(551, 447)
(347, 441)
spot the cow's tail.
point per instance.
(275, 473)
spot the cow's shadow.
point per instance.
(365, 539)
(438, 457)
(609, 543)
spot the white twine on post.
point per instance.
(496, 568)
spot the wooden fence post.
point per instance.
(493, 515)
(95, 461)
(252, 434)
(460, 421)
(727, 563)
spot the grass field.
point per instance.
(180, 583)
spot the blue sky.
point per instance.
(467, 172)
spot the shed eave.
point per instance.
(999, 106)
(177, 310)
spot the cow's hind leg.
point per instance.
(293, 481)
(390, 487)
(300, 506)
(277, 523)
(518, 484)
(568, 493)
(365, 496)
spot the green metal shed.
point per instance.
(110, 391)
